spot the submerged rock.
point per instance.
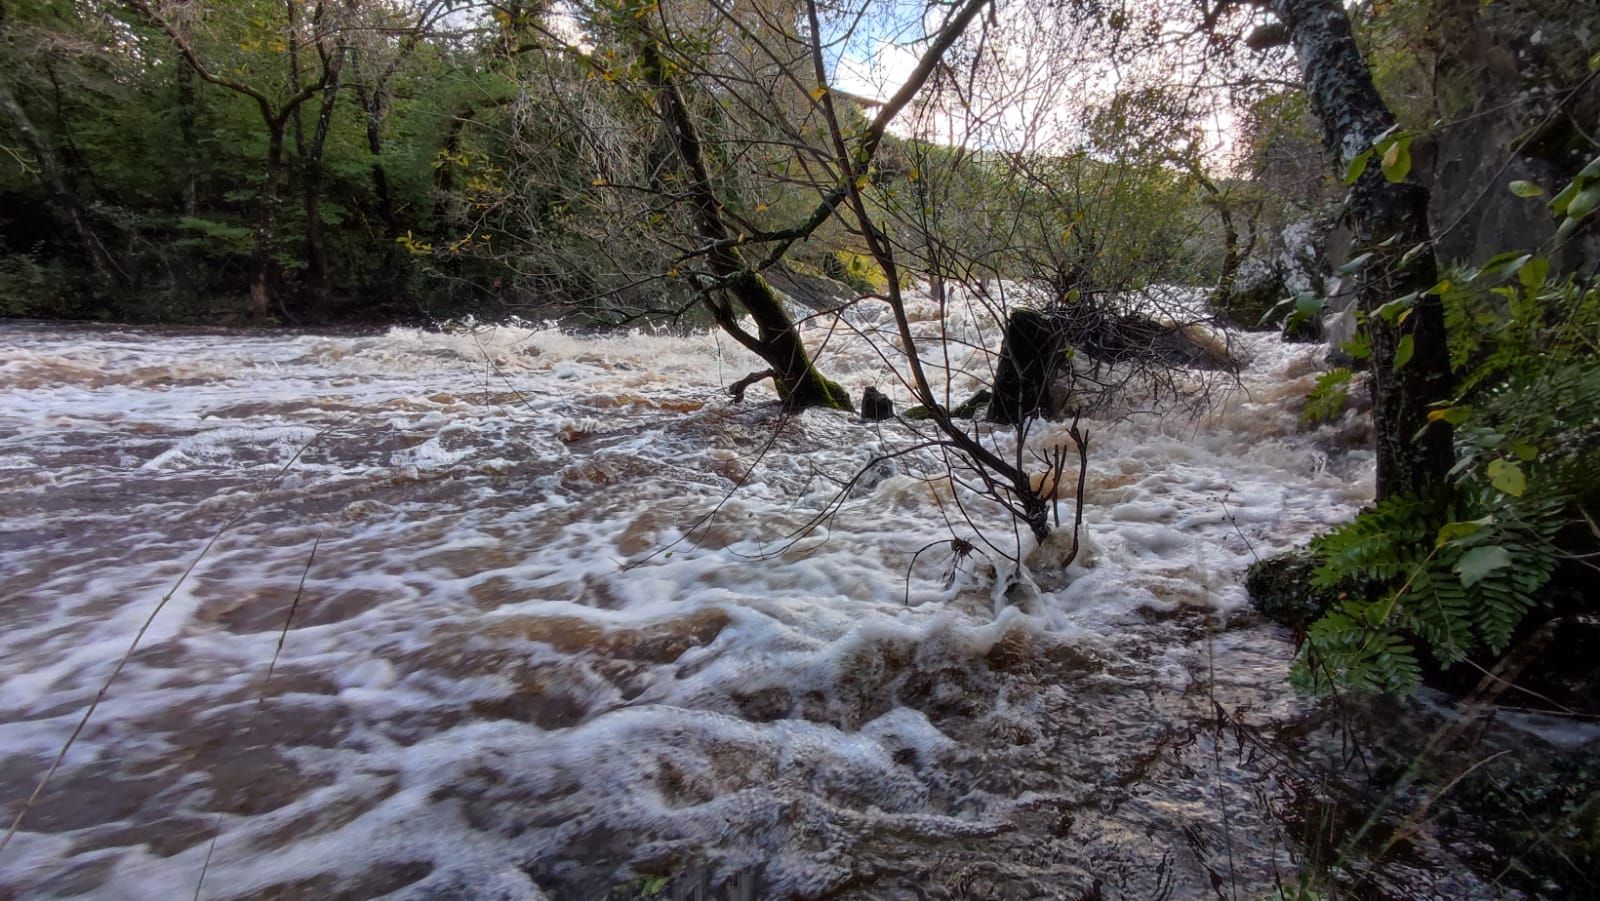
(875, 406)
(1281, 588)
(964, 410)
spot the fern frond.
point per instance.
(1380, 545)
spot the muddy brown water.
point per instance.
(505, 676)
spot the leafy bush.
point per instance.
(28, 287)
(1459, 572)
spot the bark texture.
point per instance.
(1390, 219)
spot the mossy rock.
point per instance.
(1281, 588)
(965, 410)
(1256, 292)
(970, 407)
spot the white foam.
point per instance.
(492, 612)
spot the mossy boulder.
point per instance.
(965, 410)
(1281, 588)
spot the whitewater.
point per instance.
(521, 658)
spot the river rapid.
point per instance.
(508, 673)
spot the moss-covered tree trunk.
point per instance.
(1391, 219)
(777, 340)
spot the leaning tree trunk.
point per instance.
(776, 341)
(63, 203)
(1390, 220)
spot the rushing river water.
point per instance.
(502, 679)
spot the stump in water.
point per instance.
(875, 406)
(1029, 359)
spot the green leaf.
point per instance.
(1594, 63)
(1402, 353)
(1585, 202)
(1523, 188)
(1357, 166)
(1568, 226)
(1558, 203)
(1452, 531)
(1481, 561)
(1591, 170)
(1416, 251)
(1452, 415)
(1391, 311)
(1505, 265)
(1499, 260)
(1359, 346)
(1397, 160)
(1533, 274)
(1524, 451)
(1507, 477)
(1356, 265)
(1306, 306)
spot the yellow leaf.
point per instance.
(1392, 156)
(819, 92)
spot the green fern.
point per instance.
(1459, 573)
(1327, 399)
(1353, 648)
(1440, 612)
(1379, 545)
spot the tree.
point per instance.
(736, 114)
(29, 36)
(184, 25)
(1404, 318)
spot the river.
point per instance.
(505, 672)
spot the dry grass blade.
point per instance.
(261, 700)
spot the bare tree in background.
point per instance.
(756, 155)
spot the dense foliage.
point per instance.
(387, 159)
(1466, 570)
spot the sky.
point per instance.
(1037, 95)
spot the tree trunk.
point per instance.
(1030, 356)
(372, 103)
(64, 206)
(1390, 220)
(776, 341)
(444, 174)
(317, 280)
(266, 250)
(188, 117)
(1231, 257)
